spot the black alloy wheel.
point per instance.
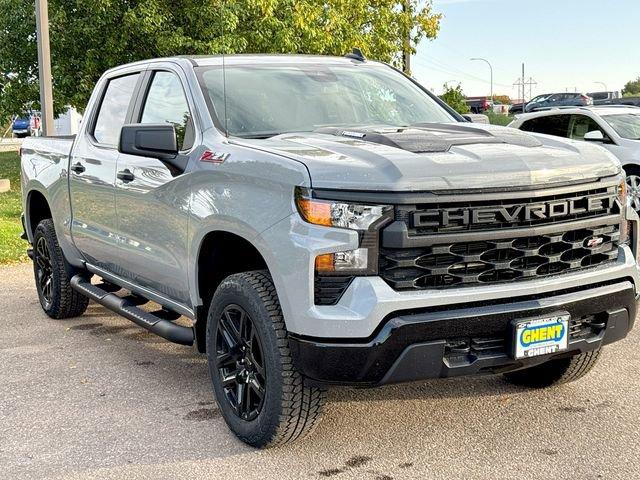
(239, 362)
(44, 271)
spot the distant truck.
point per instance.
(312, 221)
(479, 104)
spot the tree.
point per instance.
(90, 36)
(455, 98)
(632, 88)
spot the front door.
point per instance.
(93, 174)
(152, 200)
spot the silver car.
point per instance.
(616, 128)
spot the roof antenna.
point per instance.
(356, 54)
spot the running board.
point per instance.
(128, 309)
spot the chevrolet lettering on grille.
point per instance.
(444, 217)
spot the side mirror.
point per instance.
(154, 140)
(476, 118)
(594, 136)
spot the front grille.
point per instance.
(504, 260)
(432, 257)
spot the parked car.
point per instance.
(328, 221)
(615, 127)
(21, 126)
(558, 100)
(631, 101)
(604, 98)
(479, 104)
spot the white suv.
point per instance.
(617, 128)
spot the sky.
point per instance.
(566, 45)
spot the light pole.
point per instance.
(490, 70)
(604, 85)
(44, 66)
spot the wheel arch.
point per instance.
(220, 253)
(37, 208)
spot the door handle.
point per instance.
(125, 175)
(78, 168)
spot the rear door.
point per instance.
(93, 172)
(152, 199)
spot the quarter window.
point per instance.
(557, 125)
(113, 110)
(166, 103)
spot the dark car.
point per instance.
(566, 99)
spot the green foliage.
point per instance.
(12, 247)
(455, 98)
(632, 88)
(91, 36)
(498, 118)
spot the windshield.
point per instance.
(265, 100)
(626, 125)
(540, 98)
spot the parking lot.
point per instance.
(97, 397)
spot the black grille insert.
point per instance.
(444, 265)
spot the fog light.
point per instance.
(343, 262)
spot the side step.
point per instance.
(128, 309)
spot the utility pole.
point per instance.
(406, 48)
(44, 67)
(523, 84)
(531, 82)
(490, 71)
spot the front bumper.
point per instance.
(472, 338)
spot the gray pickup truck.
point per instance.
(313, 221)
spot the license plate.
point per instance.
(541, 336)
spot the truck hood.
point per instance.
(439, 157)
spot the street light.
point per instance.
(604, 85)
(490, 69)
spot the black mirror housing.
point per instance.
(149, 140)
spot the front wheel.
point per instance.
(264, 400)
(633, 186)
(57, 298)
(555, 372)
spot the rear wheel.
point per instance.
(51, 272)
(555, 372)
(263, 398)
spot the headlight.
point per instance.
(366, 219)
(337, 214)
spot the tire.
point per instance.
(555, 372)
(52, 275)
(289, 408)
(633, 186)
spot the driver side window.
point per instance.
(166, 103)
(580, 125)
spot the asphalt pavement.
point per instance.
(97, 397)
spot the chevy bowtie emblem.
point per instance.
(593, 242)
(213, 157)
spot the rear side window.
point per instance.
(557, 125)
(166, 103)
(113, 109)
